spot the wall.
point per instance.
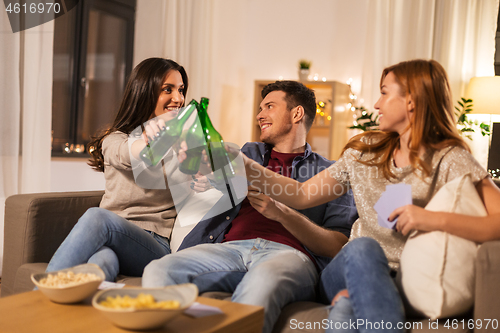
(252, 40)
(260, 40)
(73, 174)
(264, 40)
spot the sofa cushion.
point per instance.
(35, 226)
(437, 271)
(22, 282)
(487, 300)
(302, 317)
(222, 295)
(132, 281)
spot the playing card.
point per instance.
(395, 196)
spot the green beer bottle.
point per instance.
(156, 149)
(195, 141)
(219, 159)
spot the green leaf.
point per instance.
(485, 126)
(361, 127)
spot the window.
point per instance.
(93, 48)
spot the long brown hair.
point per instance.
(433, 125)
(139, 102)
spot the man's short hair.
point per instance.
(295, 94)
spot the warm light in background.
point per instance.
(485, 94)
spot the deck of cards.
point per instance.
(395, 196)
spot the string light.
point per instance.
(322, 114)
(350, 105)
(494, 173)
(361, 118)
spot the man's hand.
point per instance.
(200, 183)
(270, 208)
(342, 293)
(205, 168)
(181, 153)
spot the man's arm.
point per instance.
(319, 240)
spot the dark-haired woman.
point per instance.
(133, 224)
(418, 144)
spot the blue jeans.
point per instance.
(256, 271)
(110, 241)
(361, 267)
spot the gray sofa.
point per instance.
(35, 225)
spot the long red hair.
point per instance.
(433, 125)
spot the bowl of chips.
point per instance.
(69, 285)
(144, 308)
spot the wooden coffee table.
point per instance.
(33, 312)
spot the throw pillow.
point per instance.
(437, 270)
(192, 212)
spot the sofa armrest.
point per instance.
(36, 224)
(487, 298)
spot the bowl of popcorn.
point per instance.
(144, 308)
(69, 285)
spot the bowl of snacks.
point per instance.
(69, 285)
(144, 308)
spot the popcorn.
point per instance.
(67, 279)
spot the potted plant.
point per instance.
(365, 120)
(465, 125)
(304, 67)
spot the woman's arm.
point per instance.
(478, 229)
(137, 146)
(320, 240)
(315, 191)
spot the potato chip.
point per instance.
(142, 301)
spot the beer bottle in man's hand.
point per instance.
(195, 141)
(216, 151)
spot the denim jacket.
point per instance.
(338, 214)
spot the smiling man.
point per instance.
(270, 255)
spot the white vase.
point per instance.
(303, 74)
